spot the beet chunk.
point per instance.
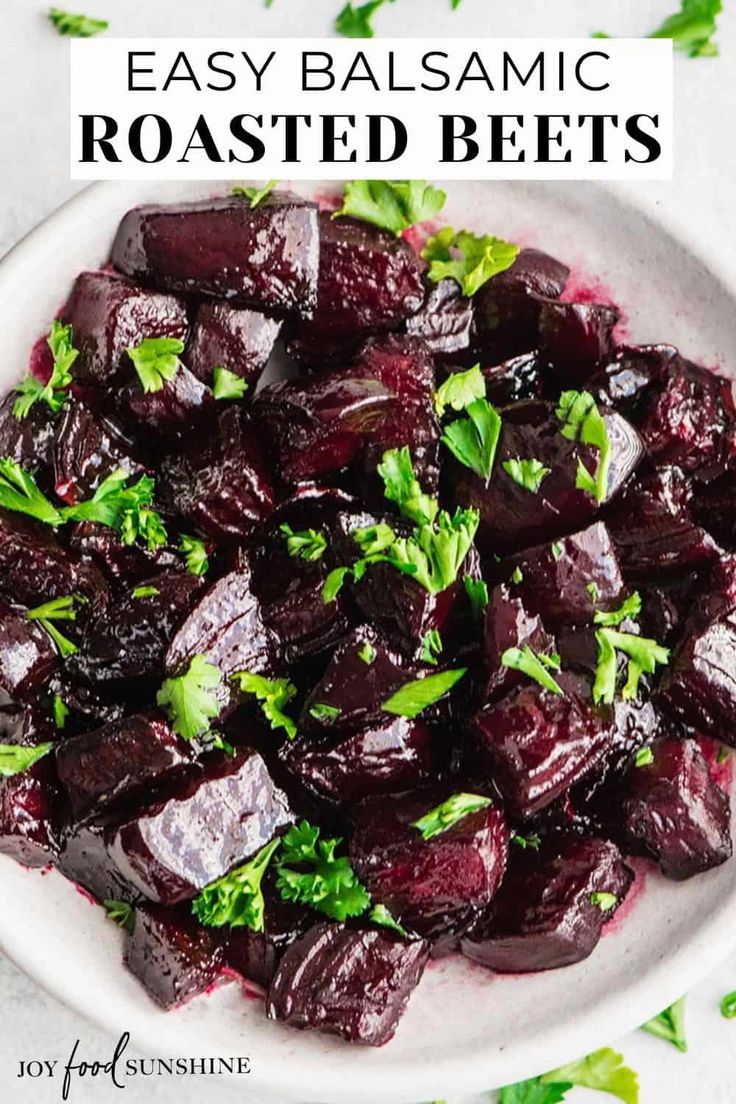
(536, 744)
(672, 811)
(222, 485)
(30, 440)
(436, 885)
(506, 309)
(108, 315)
(30, 802)
(224, 337)
(88, 448)
(124, 563)
(180, 405)
(347, 982)
(34, 568)
(402, 364)
(445, 319)
(264, 257)
(508, 624)
(255, 955)
(653, 528)
(171, 955)
(27, 655)
(177, 845)
(318, 425)
(543, 917)
(626, 378)
(574, 338)
(85, 859)
(714, 507)
(513, 380)
(120, 760)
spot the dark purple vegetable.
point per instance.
(225, 337)
(508, 624)
(27, 655)
(128, 564)
(34, 567)
(30, 440)
(30, 802)
(513, 380)
(573, 340)
(173, 957)
(445, 319)
(181, 406)
(85, 859)
(506, 310)
(88, 448)
(630, 373)
(255, 955)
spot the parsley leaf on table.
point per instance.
(191, 700)
(582, 421)
(450, 812)
(414, 697)
(254, 195)
(393, 205)
(156, 360)
(236, 900)
(691, 29)
(534, 1091)
(14, 759)
(20, 493)
(272, 695)
(54, 393)
(728, 1006)
(356, 22)
(468, 259)
(534, 666)
(76, 26)
(227, 384)
(604, 1070)
(310, 873)
(669, 1025)
(402, 487)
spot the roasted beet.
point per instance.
(181, 405)
(108, 315)
(265, 257)
(88, 448)
(506, 309)
(402, 364)
(714, 507)
(255, 955)
(224, 337)
(171, 955)
(34, 568)
(445, 319)
(573, 340)
(27, 654)
(30, 440)
(348, 982)
(30, 801)
(431, 885)
(218, 819)
(85, 859)
(508, 624)
(120, 761)
(546, 914)
(630, 373)
(513, 380)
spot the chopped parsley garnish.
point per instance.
(55, 392)
(15, 759)
(691, 29)
(195, 555)
(356, 22)
(393, 205)
(644, 656)
(322, 712)
(333, 584)
(477, 592)
(254, 195)
(379, 914)
(723, 755)
(191, 700)
(402, 487)
(236, 900)
(556, 551)
(527, 473)
(367, 652)
(156, 360)
(604, 901)
(466, 258)
(644, 757)
(127, 509)
(630, 608)
(120, 912)
(529, 842)
(459, 390)
(534, 666)
(670, 1025)
(473, 439)
(444, 816)
(58, 609)
(310, 544)
(592, 589)
(272, 695)
(311, 873)
(146, 592)
(227, 384)
(414, 697)
(582, 421)
(728, 1006)
(431, 647)
(517, 576)
(59, 711)
(76, 26)
(20, 493)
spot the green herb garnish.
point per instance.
(466, 258)
(55, 392)
(517, 576)
(473, 439)
(444, 816)
(236, 900)
(310, 873)
(477, 592)
(356, 22)
(556, 551)
(534, 666)
(322, 712)
(432, 555)
(254, 195)
(76, 26)
(644, 656)
(691, 29)
(459, 390)
(59, 711)
(630, 608)
(582, 421)
(529, 842)
(644, 757)
(414, 697)
(379, 914)
(14, 759)
(156, 360)
(145, 592)
(527, 473)
(120, 912)
(58, 609)
(604, 901)
(431, 647)
(728, 1006)
(670, 1025)
(402, 487)
(20, 493)
(272, 695)
(602, 1071)
(310, 544)
(127, 509)
(195, 555)
(393, 205)
(191, 700)
(367, 652)
(227, 384)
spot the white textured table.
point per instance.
(33, 78)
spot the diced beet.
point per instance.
(544, 917)
(27, 655)
(226, 627)
(87, 710)
(221, 483)
(689, 420)
(574, 338)
(629, 375)
(108, 315)
(653, 528)
(664, 609)
(318, 425)
(445, 319)
(88, 448)
(179, 407)
(177, 845)
(120, 761)
(255, 955)
(171, 955)
(402, 364)
(413, 424)
(85, 859)
(508, 624)
(672, 811)
(513, 380)
(30, 440)
(506, 309)
(265, 257)
(224, 337)
(557, 582)
(513, 518)
(30, 802)
(347, 982)
(126, 563)
(435, 885)
(714, 507)
(536, 744)
(384, 757)
(34, 568)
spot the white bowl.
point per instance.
(466, 1029)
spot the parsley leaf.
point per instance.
(14, 759)
(477, 592)
(254, 195)
(120, 912)
(195, 555)
(20, 493)
(333, 584)
(556, 551)
(431, 647)
(59, 710)
(310, 873)
(535, 666)
(393, 205)
(527, 473)
(644, 757)
(414, 697)
(468, 259)
(531, 841)
(473, 440)
(643, 654)
(603, 1070)
(357, 22)
(669, 1025)
(124, 508)
(691, 29)
(402, 487)
(236, 900)
(517, 576)
(145, 592)
(322, 712)
(630, 608)
(191, 700)
(310, 544)
(533, 1091)
(76, 26)
(58, 609)
(367, 652)
(156, 360)
(582, 421)
(227, 384)
(379, 914)
(272, 695)
(459, 390)
(54, 393)
(604, 901)
(728, 1006)
(443, 816)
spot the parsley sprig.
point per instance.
(402, 487)
(669, 1025)
(195, 556)
(393, 205)
(20, 493)
(414, 697)
(536, 666)
(468, 259)
(254, 195)
(58, 609)
(449, 812)
(472, 439)
(55, 392)
(272, 696)
(631, 607)
(120, 912)
(529, 474)
(124, 507)
(14, 759)
(644, 655)
(582, 421)
(357, 21)
(309, 544)
(227, 384)
(76, 26)
(191, 700)
(459, 390)
(236, 900)
(604, 1071)
(156, 360)
(691, 29)
(311, 873)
